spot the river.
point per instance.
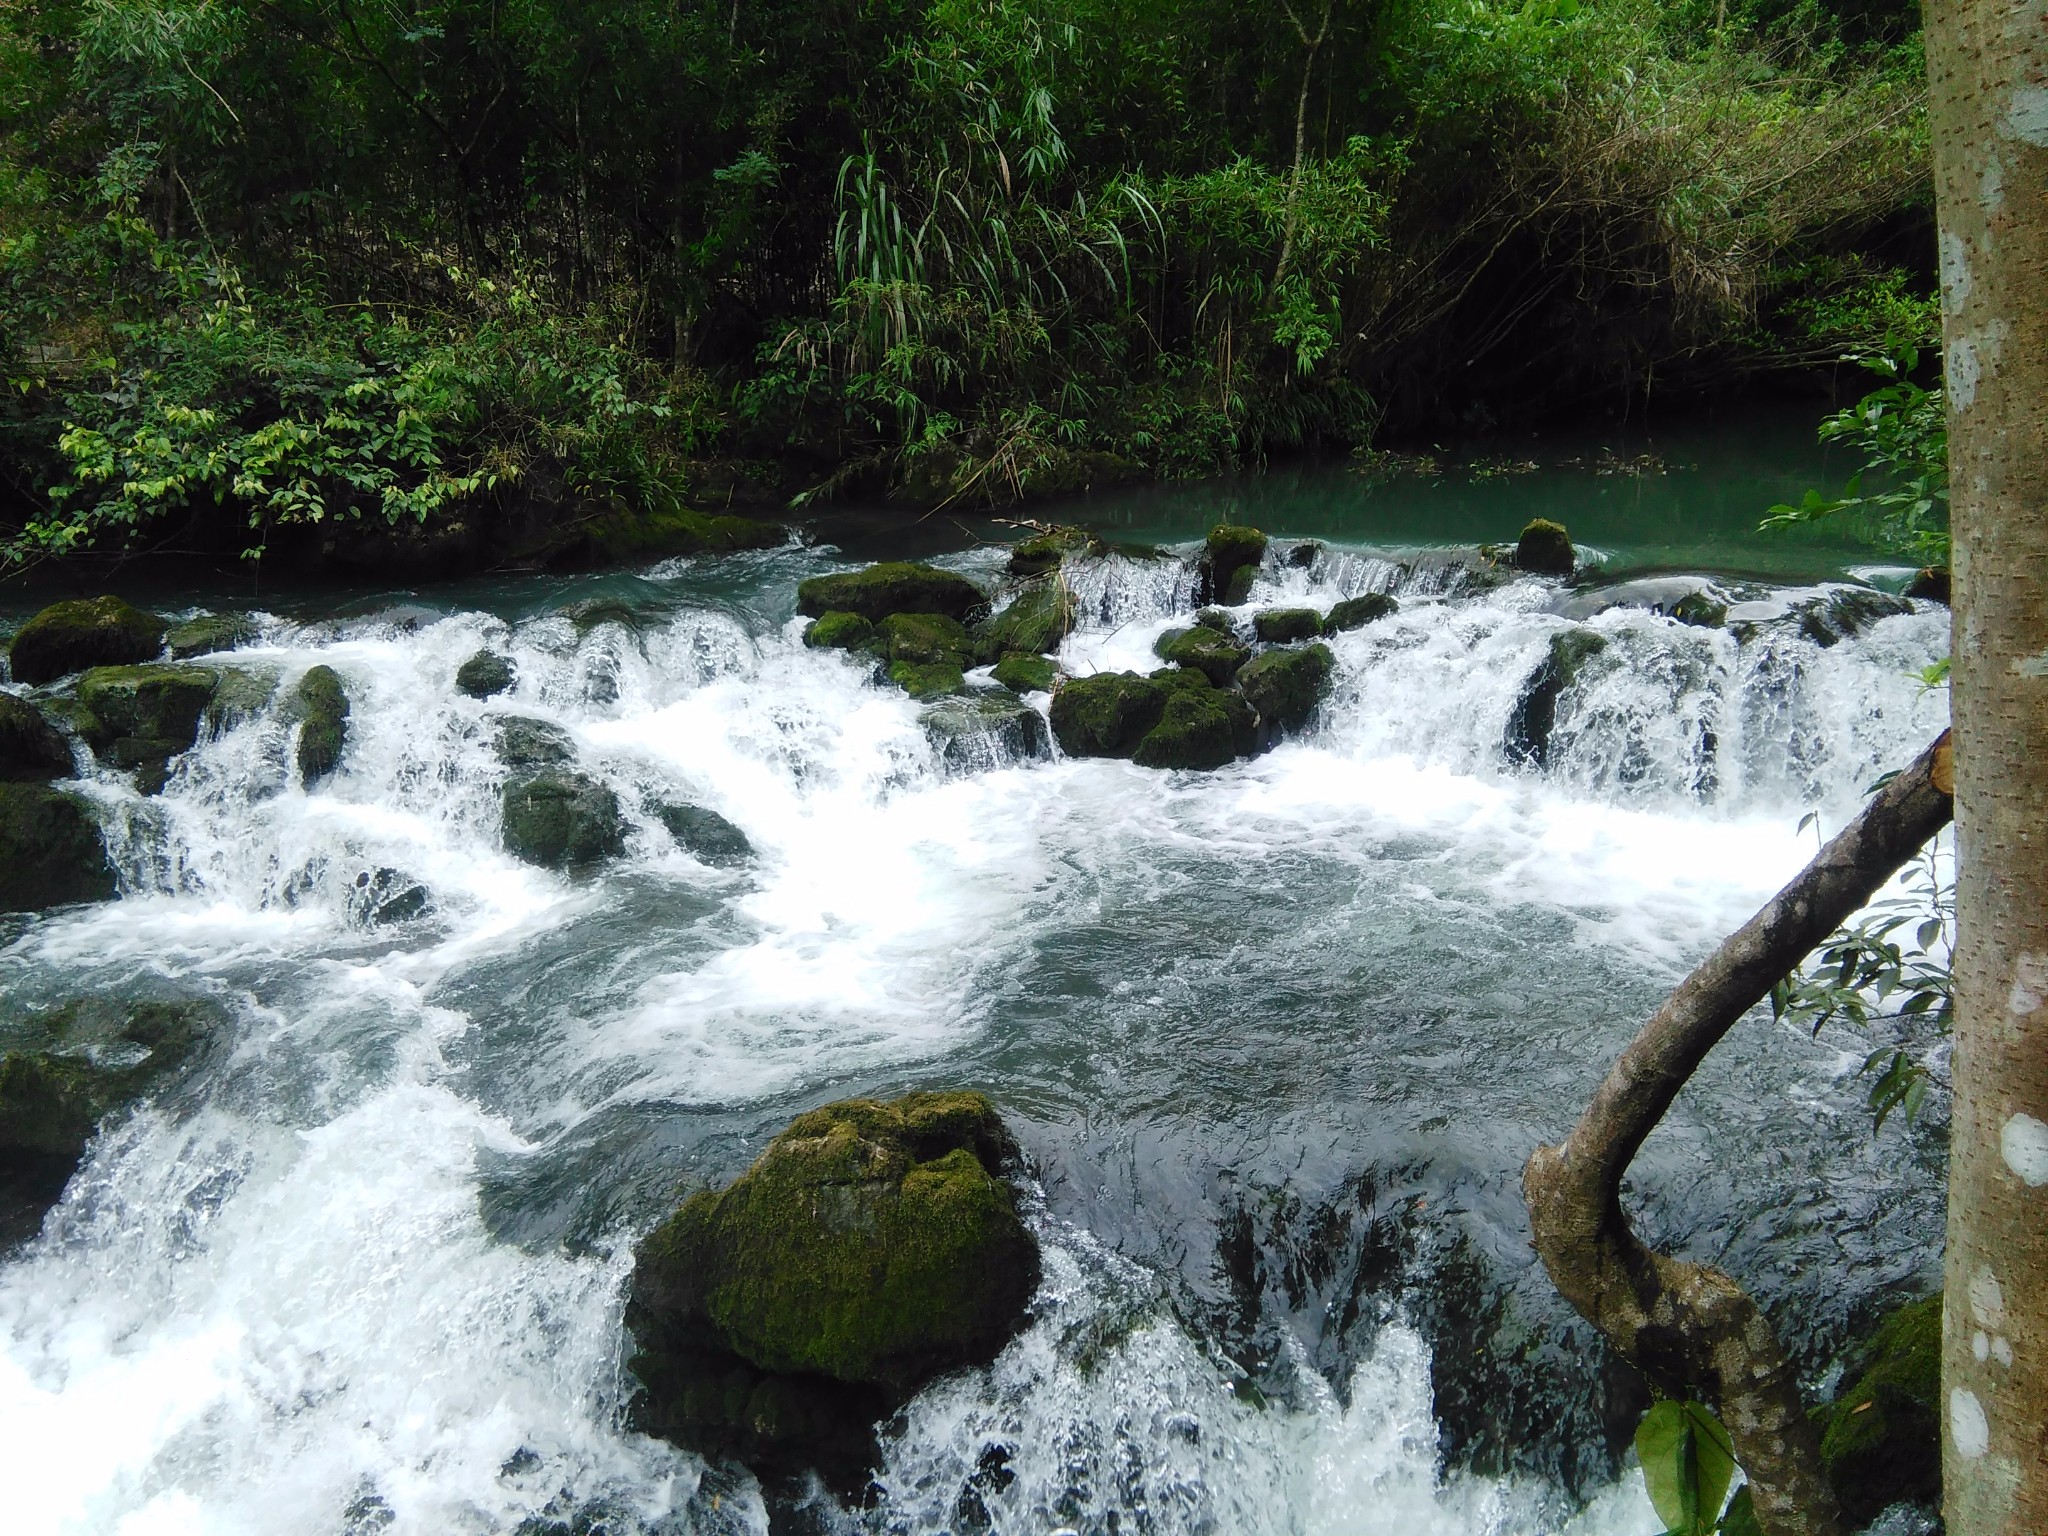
(1276, 1039)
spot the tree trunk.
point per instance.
(1987, 66)
(1691, 1328)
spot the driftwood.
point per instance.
(1691, 1328)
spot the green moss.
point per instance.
(1357, 612)
(321, 704)
(239, 694)
(560, 819)
(1026, 674)
(1216, 619)
(1701, 609)
(839, 632)
(1106, 715)
(51, 853)
(1037, 619)
(141, 717)
(32, 750)
(1199, 728)
(1534, 716)
(485, 674)
(628, 537)
(928, 680)
(925, 639)
(1284, 626)
(1546, 549)
(208, 633)
(1880, 1439)
(1227, 555)
(1046, 551)
(1285, 686)
(1237, 591)
(85, 632)
(1213, 653)
(892, 587)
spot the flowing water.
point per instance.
(1276, 1041)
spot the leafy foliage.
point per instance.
(1688, 1463)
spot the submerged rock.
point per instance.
(897, 586)
(839, 631)
(1845, 612)
(869, 1248)
(1545, 549)
(321, 705)
(139, 718)
(1107, 714)
(1284, 626)
(77, 1065)
(1230, 562)
(1026, 674)
(1357, 612)
(209, 633)
(383, 896)
(1691, 600)
(485, 674)
(1881, 1438)
(705, 835)
(1212, 652)
(51, 852)
(32, 751)
(560, 819)
(1199, 727)
(524, 742)
(1037, 619)
(1534, 716)
(986, 730)
(1286, 686)
(85, 632)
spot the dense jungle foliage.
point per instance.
(266, 264)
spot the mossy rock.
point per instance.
(1228, 554)
(897, 586)
(1534, 716)
(51, 852)
(1545, 549)
(560, 819)
(139, 718)
(707, 836)
(32, 751)
(73, 1067)
(1701, 609)
(1846, 612)
(927, 680)
(1285, 686)
(85, 632)
(1285, 626)
(978, 731)
(840, 632)
(924, 639)
(1107, 714)
(1037, 619)
(1357, 612)
(628, 537)
(1026, 674)
(1930, 584)
(1212, 652)
(524, 742)
(321, 704)
(870, 1247)
(1216, 619)
(1199, 728)
(208, 634)
(485, 674)
(239, 694)
(1051, 549)
(1881, 1438)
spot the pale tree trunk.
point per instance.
(1987, 69)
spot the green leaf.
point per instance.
(1688, 1463)
(1741, 1517)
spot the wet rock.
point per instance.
(1689, 599)
(1545, 549)
(139, 718)
(928, 680)
(1037, 619)
(1930, 584)
(1107, 714)
(485, 675)
(631, 536)
(72, 1067)
(1701, 609)
(383, 896)
(1534, 716)
(1199, 727)
(51, 852)
(986, 730)
(1881, 1438)
(524, 742)
(1214, 653)
(839, 632)
(1303, 555)
(85, 632)
(239, 694)
(1216, 619)
(705, 835)
(1026, 674)
(1051, 549)
(871, 1247)
(209, 633)
(1844, 612)
(924, 639)
(1357, 612)
(321, 706)
(1284, 626)
(896, 586)
(1285, 686)
(32, 751)
(560, 819)
(1230, 562)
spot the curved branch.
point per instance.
(1690, 1327)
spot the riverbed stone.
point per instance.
(1284, 626)
(1844, 612)
(1534, 717)
(1357, 612)
(69, 1069)
(1026, 674)
(239, 694)
(988, 729)
(925, 639)
(561, 819)
(32, 750)
(1545, 549)
(209, 633)
(1052, 548)
(1212, 652)
(51, 852)
(140, 718)
(1106, 714)
(85, 632)
(839, 631)
(1037, 619)
(1285, 686)
(485, 674)
(896, 586)
(928, 680)
(1881, 1438)
(704, 834)
(1199, 728)
(1230, 560)
(871, 1246)
(320, 703)
(524, 742)
(380, 897)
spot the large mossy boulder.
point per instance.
(85, 632)
(561, 819)
(1545, 549)
(630, 536)
(64, 1072)
(871, 1246)
(1285, 686)
(1211, 651)
(485, 674)
(320, 703)
(139, 718)
(1844, 612)
(51, 852)
(1106, 714)
(1230, 562)
(897, 586)
(1037, 619)
(1357, 612)
(1200, 727)
(925, 639)
(524, 742)
(209, 633)
(32, 751)
(1285, 626)
(1052, 548)
(1881, 1438)
(1026, 674)
(977, 731)
(1534, 717)
(840, 632)
(928, 679)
